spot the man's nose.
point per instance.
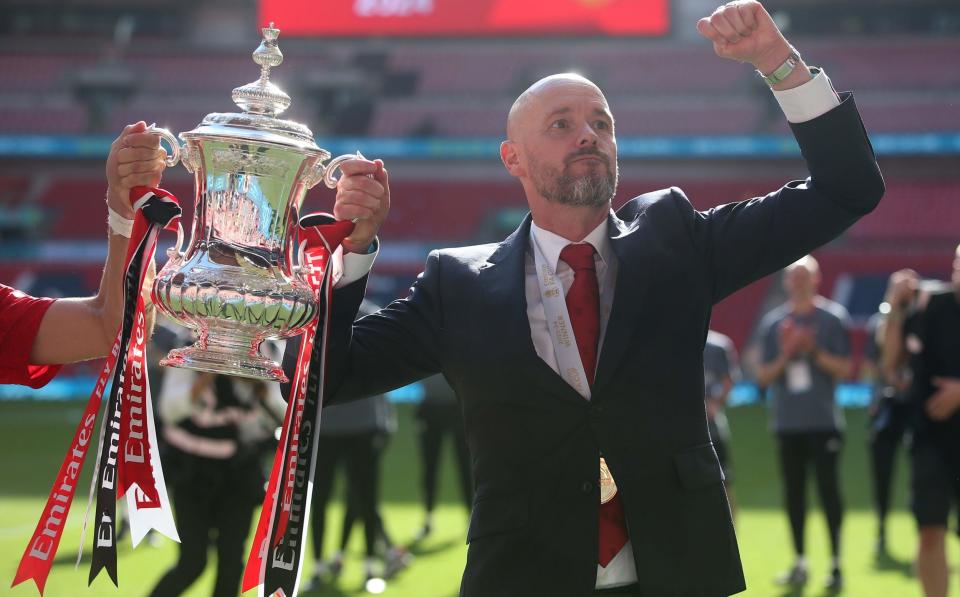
(588, 137)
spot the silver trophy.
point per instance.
(235, 284)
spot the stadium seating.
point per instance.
(921, 212)
(464, 88)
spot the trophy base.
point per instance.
(225, 358)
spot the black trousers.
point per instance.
(361, 454)
(887, 433)
(213, 506)
(437, 421)
(798, 451)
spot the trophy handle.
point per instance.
(169, 269)
(167, 136)
(175, 254)
(331, 168)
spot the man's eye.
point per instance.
(559, 124)
(602, 124)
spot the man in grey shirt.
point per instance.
(806, 350)
(720, 371)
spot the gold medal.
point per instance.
(608, 487)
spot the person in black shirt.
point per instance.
(217, 430)
(890, 410)
(930, 340)
(437, 416)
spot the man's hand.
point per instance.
(136, 159)
(946, 400)
(363, 195)
(806, 339)
(744, 31)
(789, 337)
(903, 286)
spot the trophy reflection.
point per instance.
(235, 281)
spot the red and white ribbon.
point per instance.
(155, 209)
(276, 561)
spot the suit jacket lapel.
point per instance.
(633, 277)
(503, 280)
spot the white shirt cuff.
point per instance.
(356, 265)
(814, 98)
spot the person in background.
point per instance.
(218, 430)
(721, 370)
(890, 409)
(39, 334)
(806, 351)
(927, 340)
(356, 435)
(439, 415)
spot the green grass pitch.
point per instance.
(34, 436)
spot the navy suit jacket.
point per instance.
(535, 443)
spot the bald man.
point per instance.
(575, 346)
(806, 352)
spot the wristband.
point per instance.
(119, 224)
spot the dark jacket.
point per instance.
(536, 442)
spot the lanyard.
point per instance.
(564, 341)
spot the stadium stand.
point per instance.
(69, 73)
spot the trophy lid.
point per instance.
(261, 102)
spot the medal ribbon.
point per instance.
(612, 535)
(569, 365)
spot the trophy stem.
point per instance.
(227, 354)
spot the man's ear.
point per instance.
(510, 157)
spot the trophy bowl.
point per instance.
(235, 282)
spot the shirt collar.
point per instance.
(551, 244)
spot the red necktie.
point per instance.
(583, 303)
(583, 306)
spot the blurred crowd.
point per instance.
(912, 359)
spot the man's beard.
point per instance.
(594, 189)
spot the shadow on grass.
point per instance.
(419, 549)
(70, 558)
(808, 592)
(887, 563)
(329, 590)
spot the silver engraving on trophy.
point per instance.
(234, 281)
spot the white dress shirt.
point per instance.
(800, 104)
(349, 268)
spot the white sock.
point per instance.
(801, 562)
(369, 563)
(835, 563)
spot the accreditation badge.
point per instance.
(608, 487)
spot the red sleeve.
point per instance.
(20, 317)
